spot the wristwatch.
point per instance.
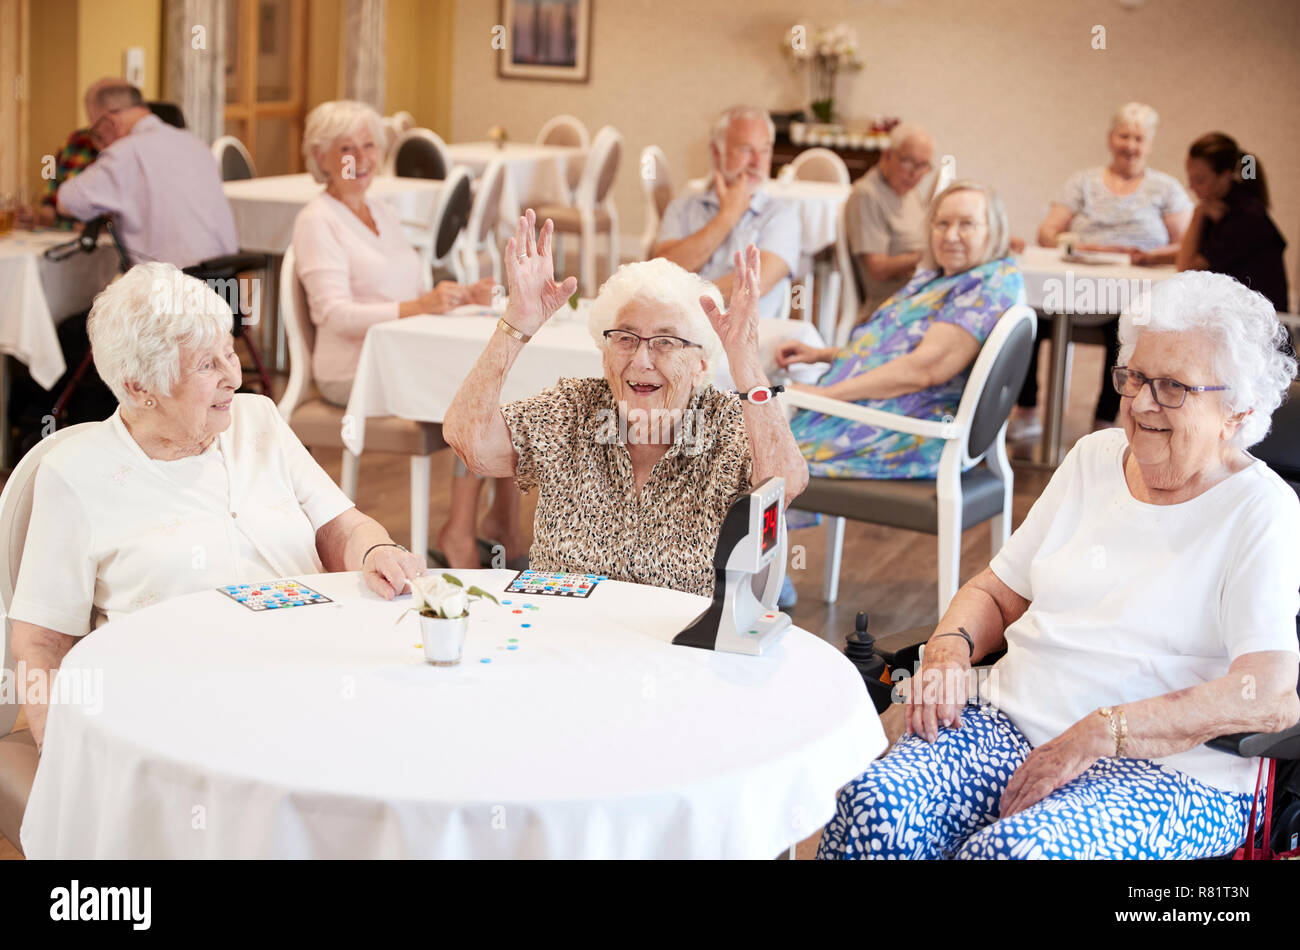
(760, 394)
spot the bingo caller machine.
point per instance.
(752, 539)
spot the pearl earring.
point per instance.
(148, 403)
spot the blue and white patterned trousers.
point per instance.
(941, 800)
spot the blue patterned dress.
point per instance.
(840, 448)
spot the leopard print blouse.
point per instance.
(589, 518)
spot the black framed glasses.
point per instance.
(625, 341)
(1170, 393)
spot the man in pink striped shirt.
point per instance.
(160, 183)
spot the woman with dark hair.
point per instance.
(1231, 232)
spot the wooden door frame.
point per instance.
(248, 110)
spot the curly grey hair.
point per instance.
(660, 281)
(139, 323)
(1247, 334)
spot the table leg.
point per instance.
(1054, 412)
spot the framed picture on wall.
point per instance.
(545, 39)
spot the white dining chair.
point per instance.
(481, 230)
(816, 164)
(419, 153)
(846, 287)
(18, 756)
(233, 159)
(592, 212)
(568, 131)
(657, 187)
(319, 424)
(403, 120)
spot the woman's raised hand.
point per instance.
(530, 271)
(738, 327)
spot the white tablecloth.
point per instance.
(36, 294)
(321, 732)
(412, 368)
(535, 174)
(265, 208)
(819, 208)
(1083, 289)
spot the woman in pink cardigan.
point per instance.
(358, 269)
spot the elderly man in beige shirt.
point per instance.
(885, 216)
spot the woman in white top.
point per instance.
(187, 486)
(1146, 605)
(358, 269)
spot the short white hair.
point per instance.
(1135, 113)
(139, 323)
(1247, 335)
(330, 120)
(659, 281)
(903, 133)
(718, 134)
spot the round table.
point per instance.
(573, 728)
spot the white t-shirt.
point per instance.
(1130, 600)
(113, 531)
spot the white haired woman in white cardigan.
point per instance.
(186, 487)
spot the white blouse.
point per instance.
(113, 530)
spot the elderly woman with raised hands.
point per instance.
(914, 354)
(636, 470)
(1147, 604)
(358, 268)
(188, 486)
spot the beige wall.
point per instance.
(322, 51)
(105, 29)
(1012, 88)
(419, 61)
(73, 43)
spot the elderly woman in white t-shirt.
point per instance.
(358, 268)
(186, 487)
(1146, 605)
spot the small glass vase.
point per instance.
(444, 640)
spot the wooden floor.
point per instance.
(891, 574)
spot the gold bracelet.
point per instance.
(1118, 733)
(508, 330)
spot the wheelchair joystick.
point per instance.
(860, 648)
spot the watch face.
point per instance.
(760, 395)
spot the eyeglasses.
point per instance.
(625, 341)
(1169, 393)
(912, 165)
(964, 228)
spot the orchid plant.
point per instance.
(828, 52)
(445, 596)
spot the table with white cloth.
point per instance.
(1076, 294)
(265, 210)
(819, 204)
(412, 368)
(535, 174)
(36, 294)
(196, 728)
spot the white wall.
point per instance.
(1012, 88)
